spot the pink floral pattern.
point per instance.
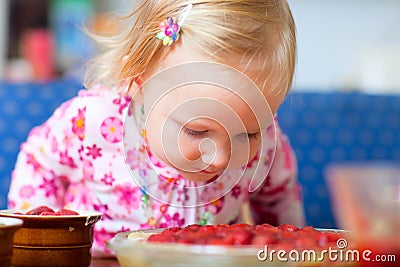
(128, 196)
(27, 191)
(93, 151)
(88, 170)
(78, 124)
(108, 179)
(76, 159)
(111, 129)
(173, 221)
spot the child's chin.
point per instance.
(199, 176)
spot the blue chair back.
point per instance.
(337, 127)
(23, 106)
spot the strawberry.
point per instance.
(39, 210)
(288, 227)
(66, 212)
(265, 238)
(47, 213)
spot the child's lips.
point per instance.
(207, 172)
(210, 172)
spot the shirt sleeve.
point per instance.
(49, 159)
(279, 200)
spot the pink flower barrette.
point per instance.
(169, 29)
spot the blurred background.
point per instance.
(343, 44)
(44, 40)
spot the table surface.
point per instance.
(112, 262)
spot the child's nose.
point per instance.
(216, 154)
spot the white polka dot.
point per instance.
(346, 136)
(2, 91)
(332, 120)
(380, 104)
(312, 120)
(317, 155)
(308, 173)
(326, 224)
(324, 137)
(34, 108)
(360, 103)
(2, 126)
(313, 209)
(366, 138)
(23, 92)
(2, 162)
(10, 144)
(353, 120)
(286, 122)
(317, 102)
(10, 107)
(359, 153)
(22, 126)
(305, 190)
(393, 121)
(320, 192)
(379, 153)
(303, 137)
(386, 138)
(5, 181)
(47, 92)
(396, 154)
(337, 153)
(299, 153)
(373, 120)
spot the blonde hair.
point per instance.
(261, 30)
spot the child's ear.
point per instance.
(135, 90)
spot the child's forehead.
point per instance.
(231, 71)
(250, 65)
(198, 87)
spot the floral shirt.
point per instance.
(80, 159)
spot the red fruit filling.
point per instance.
(46, 211)
(283, 236)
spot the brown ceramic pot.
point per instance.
(8, 226)
(53, 240)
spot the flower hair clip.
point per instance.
(169, 29)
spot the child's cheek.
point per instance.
(189, 149)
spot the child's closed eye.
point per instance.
(254, 136)
(251, 136)
(194, 133)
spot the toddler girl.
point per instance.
(176, 125)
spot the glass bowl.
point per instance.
(133, 249)
(366, 200)
(138, 252)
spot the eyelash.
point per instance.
(201, 134)
(193, 133)
(253, 136)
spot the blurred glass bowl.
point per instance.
(52, 240)
(366, 197)
(366, 200)
(138, 252)
(133, 249)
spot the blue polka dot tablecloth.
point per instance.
(23, 106)
(337, 127)
(323, 128)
